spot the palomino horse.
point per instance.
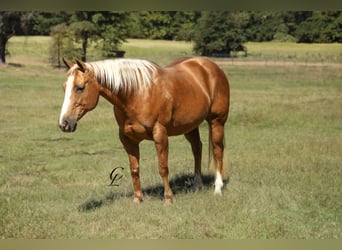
(152, 102)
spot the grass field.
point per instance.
(284, 145)
(283, 51)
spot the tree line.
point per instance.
(213, 32)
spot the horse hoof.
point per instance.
(198, 185)
(167, 202)
(137, 200)
(218, 184)
(196, 188)
(218, 192)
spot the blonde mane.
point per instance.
(123, 74)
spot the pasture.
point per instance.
(284, 148)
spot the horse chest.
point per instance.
(136, 131)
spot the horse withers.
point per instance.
(152, 103)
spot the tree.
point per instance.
(333, 30)
(44, 21)
(220, 33)
(156, 24)
(183, 25)
(167, 25)
(9, 25)
(108, 29)
(83, 31)
(320, 27)
(62, 43)
(113, 28)
(263, 25)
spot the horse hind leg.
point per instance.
(193, 138)
(217, 141)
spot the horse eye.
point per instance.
(79, 88)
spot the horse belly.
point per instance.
(188, 114)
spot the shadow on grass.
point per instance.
(16, 65)
(181, 184)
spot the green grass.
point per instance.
(159, 51)
(285, 51)
(284, 145)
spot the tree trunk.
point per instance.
(3, 41)
(84, 48)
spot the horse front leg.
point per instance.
(162, 147)
(132, 149)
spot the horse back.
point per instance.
(202, 72)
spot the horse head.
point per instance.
(81, 94)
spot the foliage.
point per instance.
(219, 33)
(156, 24)
(321, 27)
(83, 31)
(62, 44)
(45, 21)
(262, 26)
(113, 28)
(283, 37)
(215, 33)
(166, 25)
(184, 25)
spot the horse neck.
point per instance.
(117, 99)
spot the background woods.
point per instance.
(211, 32)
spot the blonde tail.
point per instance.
(210, 151)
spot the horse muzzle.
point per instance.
(68, 125)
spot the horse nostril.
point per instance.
(68, 125)
(64, 125)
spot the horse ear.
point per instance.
(81, 65)
(67, 63)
